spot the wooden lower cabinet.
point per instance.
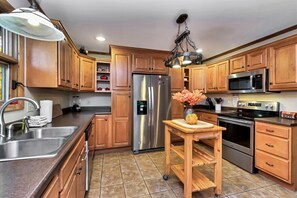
(70, 180)
(275, 147)
(53, 189)
(103, 136)
(210, 118)
(121, 118)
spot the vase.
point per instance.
(188, 110)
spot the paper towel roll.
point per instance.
(46, 109)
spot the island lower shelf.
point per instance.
(199, 181)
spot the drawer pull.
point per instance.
(271, 165)
(268, 130)
(269, 145)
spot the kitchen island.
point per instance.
(193, 180)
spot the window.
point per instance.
(4, 83)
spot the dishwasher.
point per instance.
(89, 154)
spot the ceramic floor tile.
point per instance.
(281, 192)
(136, 189)
(165, 194)
(151, 174)
(243, 183)
(131, 176)
(262, 193)
(115, 191)
(112, 178)
(241, 195)
(95, 182)
(93, 193)
(228, 188)
(157, 185)
(177, 184)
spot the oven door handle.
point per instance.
(234, 120)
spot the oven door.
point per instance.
(239, 134)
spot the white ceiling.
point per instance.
(216, 25)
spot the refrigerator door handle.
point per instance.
(153, 104)
(149, 106)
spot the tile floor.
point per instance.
(120, 175)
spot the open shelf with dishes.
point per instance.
(186, 78)
(102, 77)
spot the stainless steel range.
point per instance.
(239, 138)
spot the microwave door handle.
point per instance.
(252, 82)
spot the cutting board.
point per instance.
(200, 124)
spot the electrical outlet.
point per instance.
(30, 108)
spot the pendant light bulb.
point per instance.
(176, 64)
(187, 60)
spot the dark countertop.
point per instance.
(103, 110)
(278, 120)
(225, 110)
(29, 178)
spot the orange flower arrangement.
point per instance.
(189, 98)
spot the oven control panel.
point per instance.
(259, 105)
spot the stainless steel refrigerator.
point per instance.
(151, 105)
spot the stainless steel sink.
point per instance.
(37, 143)
(28, 149)
(48, 132)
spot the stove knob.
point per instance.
(266, 106)
(239, 104)
(243, 104)
(271, 106)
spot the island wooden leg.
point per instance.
(218, 165)
(188, 150)
(167, 151)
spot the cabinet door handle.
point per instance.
(248, 65)
(68, 81)
(242, 66)
(270, 83)
(271, 165)
(270, 131)
(269, 145)
(82, 86)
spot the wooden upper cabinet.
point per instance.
(222, 74)
(87, 74)
(257, 59)
(211, 78)
(141, 62)
(177, 79)
(177, 109)
(283, 65)
(120, 69)
(148, 61)
(217, 77)
(197, 78)
(41, 63)
(121, 122)
(75, 70)
(158, 66)
(65, 64)
(238, 64)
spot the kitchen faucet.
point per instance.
(2, 123)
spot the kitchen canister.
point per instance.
(218, 107)
(46, 109)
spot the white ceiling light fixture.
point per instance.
(182, 49)
(31, 23)
(100, 38)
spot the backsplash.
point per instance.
(93, 99)
(287, 100)
(58, 97)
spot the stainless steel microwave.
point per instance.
(248, 82)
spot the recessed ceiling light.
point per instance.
(100, 38)
(199, 50)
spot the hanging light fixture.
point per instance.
(185, 50)
(31, 23)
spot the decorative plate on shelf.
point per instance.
(200, 124)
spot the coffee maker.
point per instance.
(76, 103)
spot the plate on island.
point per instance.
(200, 124)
